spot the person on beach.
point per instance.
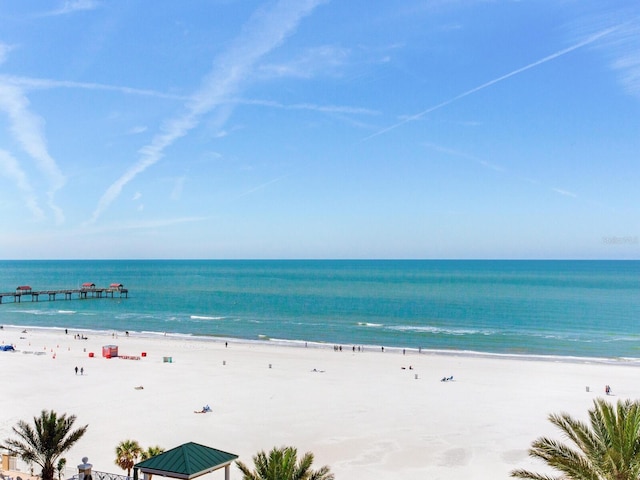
(81, 370)
(76, 370)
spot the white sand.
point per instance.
(363, 415)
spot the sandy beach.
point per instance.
(366, 414)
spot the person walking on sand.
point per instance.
(81, 370)
(76, 370)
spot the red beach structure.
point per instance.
(109, 351)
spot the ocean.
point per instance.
(557, 308)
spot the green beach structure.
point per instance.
(187, 461)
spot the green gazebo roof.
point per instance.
(186, 461)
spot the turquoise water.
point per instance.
(566, 308)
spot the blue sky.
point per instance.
(320, 129)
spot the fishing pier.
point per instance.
(86, 291)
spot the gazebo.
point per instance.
(187, 461)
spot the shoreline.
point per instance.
(302, 344)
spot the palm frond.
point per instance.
(282, 464)
(532, 475)
(607, 448)
(43, 443)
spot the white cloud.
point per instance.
(621, 47)
(310, 106)
(456, 153)
(26, 128)
(253, 190)
(624, 50)
(587, 41)
(325, 59)
(40, 83)
(178, 187)
(136, 196)
(27, 83)
(137, 130)
(4, 51)
(565, 193)
(264, 31)
(71, 6)
(137, 225)
(10, 168)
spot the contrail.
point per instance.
(10, 168)
(553, 56)
(259, 187)
(265, 30)
(26, 128)
(41, 83)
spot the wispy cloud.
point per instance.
(326, 59)
(71, 6)
(623, 49)
(26, 128)
(4, 50)
(265, 30)
(309, 106)
(10, 168)
(253, 190)
(178, 187)
(137, 225)
(565, 193)
(137, 130)
(456, 153)
(27, 83)
(591, 39)
(496, 168)
(45, 84)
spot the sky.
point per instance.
(227, 129)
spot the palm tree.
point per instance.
(148, 453)
(127, 452)
(60, 467)
(45, 441)
(151, 452)
(282, 464)
(607, 448)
